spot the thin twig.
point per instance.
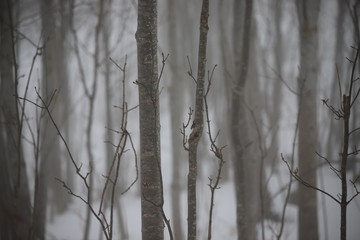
(334, 169)
(294, 174)
(217, 151)
(185, 137)
(190, 72)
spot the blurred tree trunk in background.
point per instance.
(332, 144)
(49, 165)
(277, 84)
(239, 117)
(308, 11)
(109, 150)
(59, 198)
(176, 91)
(223, 95)
(65, 101)
(15, 209)
(150, 157)
(90, 93)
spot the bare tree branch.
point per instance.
(217, 151)
(294, 174)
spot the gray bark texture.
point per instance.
(308, 11)
(198, 124)
(15, 211)
(150, 158)
(239, 120)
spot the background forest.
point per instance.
(247, 119)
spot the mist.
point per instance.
(167, 120)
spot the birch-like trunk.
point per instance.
(150, 158)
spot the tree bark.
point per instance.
(148, 85)
(344, 158)
(198, 124)
(308, 11)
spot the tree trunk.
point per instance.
(198, 124)
(66, 87)
(308, 11)
(58, 197)
(333, 139)
(176, 111)
(277, 85)
(49, 145)
(240, 136)
(225, 68)
(344, 158)
(106, 31)
(91, 95)
(15, 206)
(150, 158)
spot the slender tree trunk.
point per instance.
(332, 144)
(240, 135)
(15, 209)
(308, 11)
(106, 30)
(344, 158)
(348, 107)
(198, 124)
(150, 158)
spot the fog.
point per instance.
(70, 135)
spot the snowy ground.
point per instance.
(70, 225)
